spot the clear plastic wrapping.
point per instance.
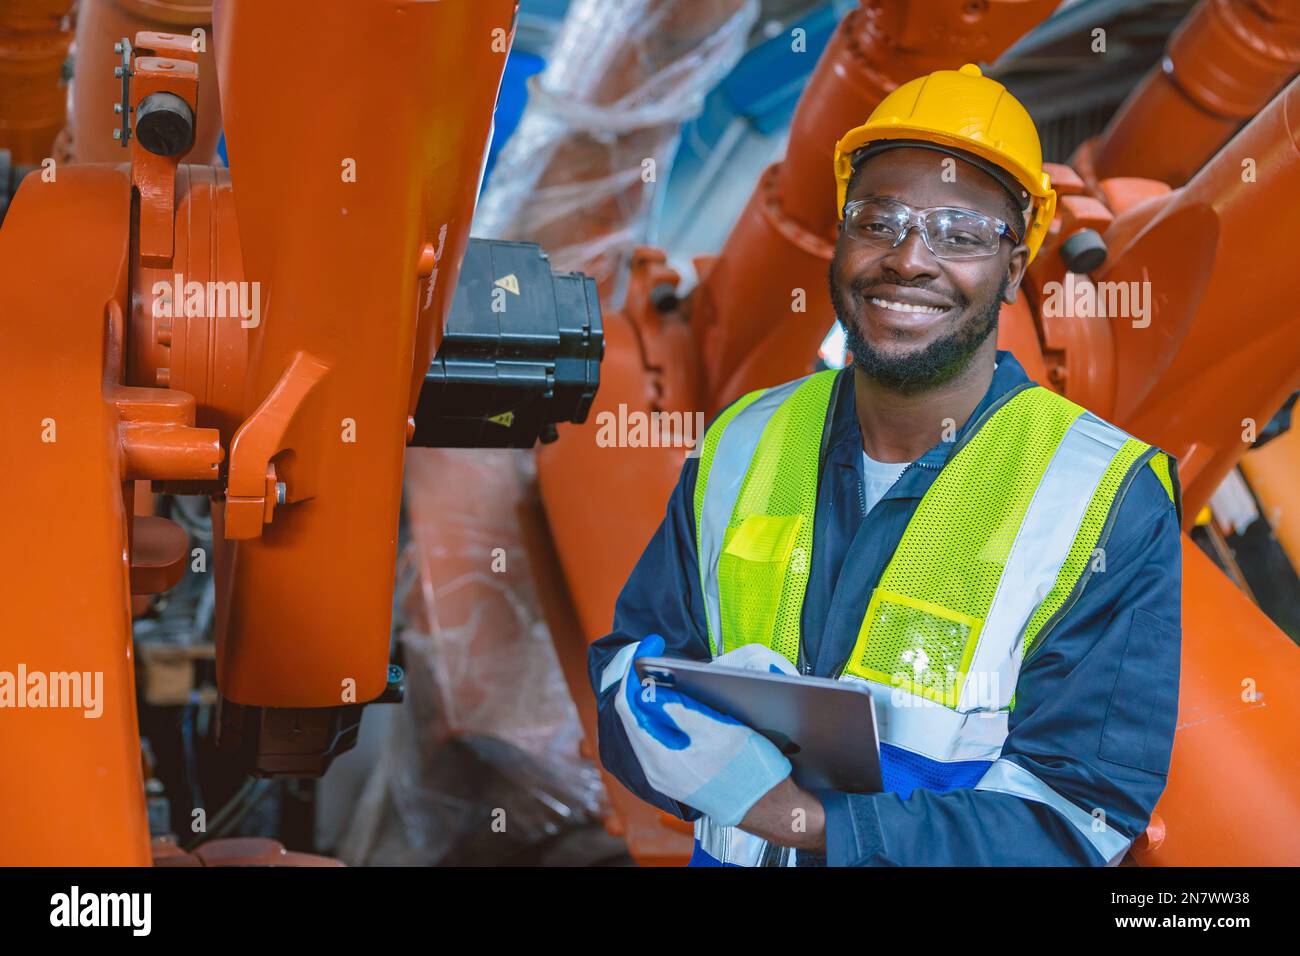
(482, 761)
(602, 123)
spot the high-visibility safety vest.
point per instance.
(997, 552)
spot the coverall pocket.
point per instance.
(751, 576)
(1139, 727)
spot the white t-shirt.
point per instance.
(879, 477)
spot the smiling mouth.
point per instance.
(893, 306)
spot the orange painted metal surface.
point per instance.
(100, 24)
(335, 247)
(1219, 350)
(361, 268)
(1233, 797)
(34, 40)
(199, 352)
(1225, 61)
(159, 550)
(74, 792)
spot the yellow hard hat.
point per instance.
(965, 110)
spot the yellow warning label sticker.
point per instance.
(505, 418)
(509, 282)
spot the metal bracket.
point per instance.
(123, 109)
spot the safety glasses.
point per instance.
(949, 232)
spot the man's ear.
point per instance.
(1016, 266)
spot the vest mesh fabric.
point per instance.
(923, 622)
(767, 546)
(1160, 465)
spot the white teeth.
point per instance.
(904, 307)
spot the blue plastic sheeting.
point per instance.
(512, 100)
(763, 89)
(767, 82)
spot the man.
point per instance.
(998, 567)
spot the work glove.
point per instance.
(693, 753)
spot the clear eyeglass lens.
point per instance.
(953, 233)
(956, 234)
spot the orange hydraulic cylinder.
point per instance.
(1215, 356)
(71, 789)
(338, 216)
(101, 24)
(1222, 65)
(1233, 797)
(34, 39)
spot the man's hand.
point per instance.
(788, 815)
(693, 753)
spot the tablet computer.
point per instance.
(827, 728)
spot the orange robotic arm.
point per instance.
(344, 231)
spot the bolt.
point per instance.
(117, 47)
(117, 134)
(117, 72)
(117, 108)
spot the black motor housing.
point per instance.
(521, 352)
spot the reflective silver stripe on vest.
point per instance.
(731, 459)
(1046, 534)
(1011, 778)
(729, 844)
(977, 729)
(940, 733)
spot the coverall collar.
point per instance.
(845, 446)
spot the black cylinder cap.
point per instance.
(1084, 251)
(164, 124)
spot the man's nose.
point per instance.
(911, 258)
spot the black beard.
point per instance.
(937, 363)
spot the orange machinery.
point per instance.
(34, 41)
(88, 137)
(1218, 351)
(351, 225)
(356, 278)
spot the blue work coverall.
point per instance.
(1095, 705)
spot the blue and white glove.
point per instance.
(693, 753)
